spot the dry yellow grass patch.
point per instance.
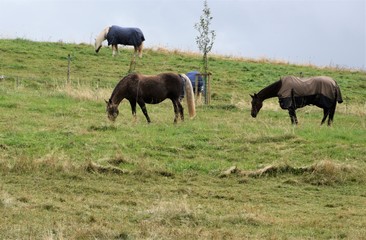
(86, 93)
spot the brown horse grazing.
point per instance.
(294, 93)
(142, 89)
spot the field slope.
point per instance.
(66, 172)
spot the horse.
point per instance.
(152, 89)
(120, 35)
(294, 92)
(193, 75)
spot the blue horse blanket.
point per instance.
(125, 36)
(192, 76)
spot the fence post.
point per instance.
(68, 68)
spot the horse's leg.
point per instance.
(176, 110)
(133, 108)
(135, 52)
(115, 50)
(331, 114)
(292, 108)
(326, 113)
(139, 49)
(143, 108)
(292, 113)
(199, 98)
(181, 110)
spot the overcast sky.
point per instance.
(320, 32)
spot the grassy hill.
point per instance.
(66, 172)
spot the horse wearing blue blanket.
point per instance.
(193, 75)
(120, 35)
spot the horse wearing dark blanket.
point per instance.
(120, 35)
(294, 93)
(193, 76)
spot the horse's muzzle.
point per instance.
(113, 116)
(254, 114)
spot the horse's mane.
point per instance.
(125, 80)
(270, 91)
(101, 36)
(117, 88)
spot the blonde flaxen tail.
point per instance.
(189, 96)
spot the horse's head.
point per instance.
(256, 105)
(100, 38)
(97, 45)
(112, 110)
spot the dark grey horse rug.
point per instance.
(323, 90)
(125, 36)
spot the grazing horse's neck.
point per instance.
(118, 94)
(127, 86)
(270, 91)
(102, 36)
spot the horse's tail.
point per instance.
(189, 96)
(339, 95)
(339, 98)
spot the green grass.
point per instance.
(52, 133)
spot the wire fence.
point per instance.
(93, 88)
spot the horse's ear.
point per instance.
(251, 95)
(106, 101)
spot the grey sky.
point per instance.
(320, 32)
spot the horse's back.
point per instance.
(166, 79)
(170, 82)
(126, 36)
(321, 91)
(322, 85)
(156, 88)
